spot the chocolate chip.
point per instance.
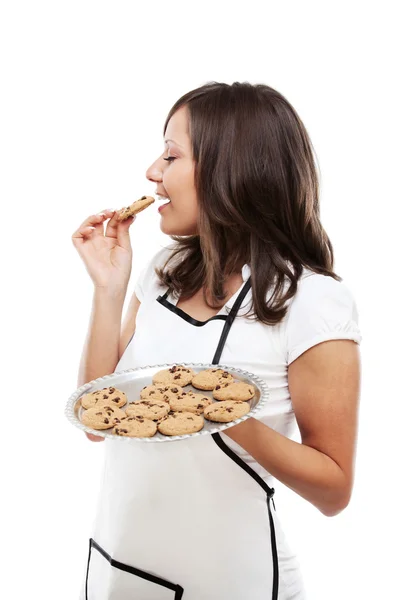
(217, 387)
(106, 421)
(112, 390)
(174, 390)
(105, 396)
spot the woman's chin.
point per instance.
(169, 229)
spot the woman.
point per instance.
(195, 519)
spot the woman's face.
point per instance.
(173, 172)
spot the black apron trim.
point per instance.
(233, 456)
(181, 313)
(270, 492)
(229, 320)
(133, 571)
(275, 583)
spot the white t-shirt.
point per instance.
(322, 309)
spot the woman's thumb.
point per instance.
(124, 239)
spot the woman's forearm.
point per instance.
(100, 352)
(308, 472)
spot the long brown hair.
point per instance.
(258, 198)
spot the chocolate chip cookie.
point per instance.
(226, 411)
(148, 409)
(160, 392)
(190, 402)
(136, 427)
(176, 374)
(134, 208)
(102, 417)
(108, 395)
(239, 391)
(180, 423)
(209, 378)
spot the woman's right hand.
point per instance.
(107, 256)
(94, 438)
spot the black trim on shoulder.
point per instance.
(133, 571)
(181, 313)
(229, 317)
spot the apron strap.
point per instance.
(229, 320)
(233, 456)
(217, 438)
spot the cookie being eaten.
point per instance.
(135, 208)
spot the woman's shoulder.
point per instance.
(314, 288)
(323, 308)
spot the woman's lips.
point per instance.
(164, 205)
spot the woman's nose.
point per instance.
(154, 172)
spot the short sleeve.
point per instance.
(147, 274)
(323, 309)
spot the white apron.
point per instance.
(183, 519)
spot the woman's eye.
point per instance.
(170, 158)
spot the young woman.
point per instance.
(247, 282)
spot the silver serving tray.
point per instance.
(132, 381)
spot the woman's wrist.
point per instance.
(113, 292)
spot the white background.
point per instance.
(85, 89)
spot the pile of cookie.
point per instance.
(166, 407)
